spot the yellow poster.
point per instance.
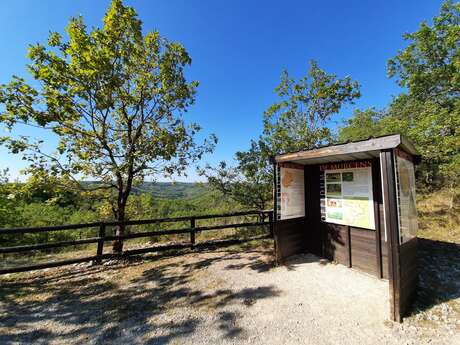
(292, 193)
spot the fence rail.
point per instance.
(102, 237)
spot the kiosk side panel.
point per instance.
(409, 275)
(402, 250)
(289, 238)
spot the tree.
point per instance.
(362, 125)
(115, 98)
(429, 112)
(43, 188)
(298, 121)
(249, 183)
(6, 199)
(429, 67)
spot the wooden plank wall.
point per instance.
(335, 243)
(363, 249)
(289, 238)
(353, 247)
(409, 274)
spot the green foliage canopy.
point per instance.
(249, 183)
(363, 124)
(429, 67)
(298, 120)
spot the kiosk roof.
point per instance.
(364, 149)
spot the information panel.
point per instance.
(349, 197)
(292, 191)
(407, 209)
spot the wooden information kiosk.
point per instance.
(352, 203)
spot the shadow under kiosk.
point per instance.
(353, 203)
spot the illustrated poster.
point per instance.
(292, 193)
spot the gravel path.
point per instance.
(218, 297)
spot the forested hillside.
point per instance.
(41, 202)
(165, 190)
(172, 190)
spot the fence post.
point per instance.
(100, 243)
(192, 232)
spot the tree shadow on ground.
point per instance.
(106, 304)
(293, 262)
(438, 265)
(253, 260)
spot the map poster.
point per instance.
(349, 199)
(292, 199)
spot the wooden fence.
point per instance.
(192, 230)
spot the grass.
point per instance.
(438, 221)
(438, 303)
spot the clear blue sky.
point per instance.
(239, 49)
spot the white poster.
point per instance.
(292, 192)
(407, 209)
(349, 197)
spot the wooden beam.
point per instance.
(97, 258)
(350, 263)
(275, 191)
(391, 226)
(101, 240)
(376, 144)
(377, 197)
(9, 231)
(407, 146)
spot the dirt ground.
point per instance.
(221, 297)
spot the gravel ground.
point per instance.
(216, 297)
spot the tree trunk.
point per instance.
(123, 195)
(117, 245)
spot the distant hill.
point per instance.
(170, 190)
